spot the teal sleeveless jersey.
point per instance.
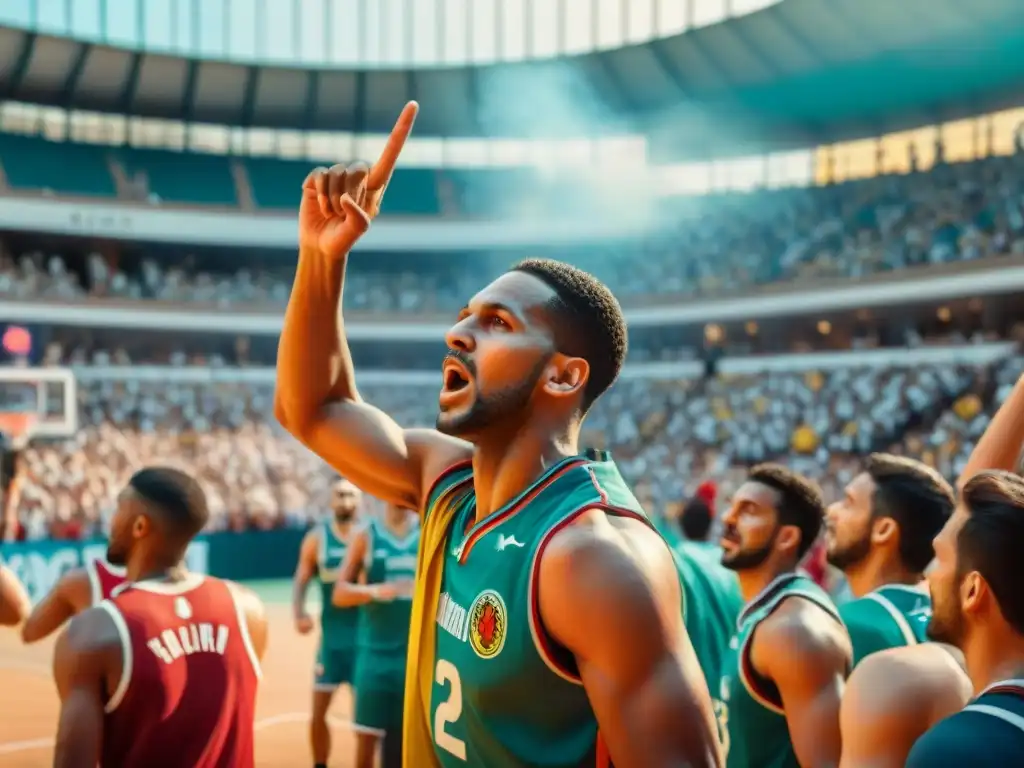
(384, 626)
(889, 617)
(711, 603)
(987, 733)
(338, 626)
(750, 710)
(504, 695)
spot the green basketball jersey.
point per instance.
(384, 626)
(711, 603)
(889, 617)
(504, 695)
(750, 710)
(987, 733)
(338, 626)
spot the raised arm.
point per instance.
(71, 594)
(614, 601)
(305, 569)
(1000, 445)
(14, 602)
(807, 654)
(316, 397)
(84, 659)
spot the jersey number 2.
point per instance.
(449, 710)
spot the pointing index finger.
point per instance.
(381, 172)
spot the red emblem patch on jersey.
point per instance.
(487, 624)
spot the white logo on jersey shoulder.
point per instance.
(507, 541)
(922, 609)
(182, 608)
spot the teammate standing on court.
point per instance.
(782, 680)
(321, 555)
(76, 590)
(978, 606)
(880, 536)
(383, 557)
(165, 672)
(14, 602)
(558, 635)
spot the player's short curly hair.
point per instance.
(801, 502)
(589, 321)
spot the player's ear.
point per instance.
(883, 529)
(973, 590)
(566, 376)
(788, 538)
(141, 526)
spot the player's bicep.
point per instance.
(651, 703)
(872, 722)
(78, 673)
(808, 664)
(369, 448)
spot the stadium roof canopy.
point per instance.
(799, 73)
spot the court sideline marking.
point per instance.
(9, 747)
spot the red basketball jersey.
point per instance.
(104, 578)
(187, 695)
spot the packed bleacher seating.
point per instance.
(667, 435)
(712, 245)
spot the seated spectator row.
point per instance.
(709, 246)
(668, 436)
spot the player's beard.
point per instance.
(342, 516)
(116, 555)
(745, 559)
(850, 555)
(947, 621)
(487, 411)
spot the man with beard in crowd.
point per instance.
(782, 680)
(321, 555)
(879, 534)
(978, 606)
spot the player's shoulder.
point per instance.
(798, 625)
(94, 629)
(597, 544)
(909, 676)
(248, 601)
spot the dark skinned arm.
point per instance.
(14, 602)
(807, 654)
(71, 594)
(1000, 445)
(316, 398)
(348, 592)
(609, 593)
(86, 658)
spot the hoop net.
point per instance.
(17, 426)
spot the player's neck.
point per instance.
(341, 528)
(505, 468)
(753, 581)
(399, 527)
(994, 657)
(155, 571)
(873, 573)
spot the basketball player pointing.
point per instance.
(558, 634)
(165, 672)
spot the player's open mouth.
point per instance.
(456, 378)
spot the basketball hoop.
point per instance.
(16, 427)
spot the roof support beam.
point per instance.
(126, 101)
(312, 105)
(20, 68)
(188, 98)
(252, 80)
(70, 87)
(669, 67)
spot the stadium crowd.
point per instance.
(712, 245)
(668, 436)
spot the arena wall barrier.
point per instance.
(237, 556)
